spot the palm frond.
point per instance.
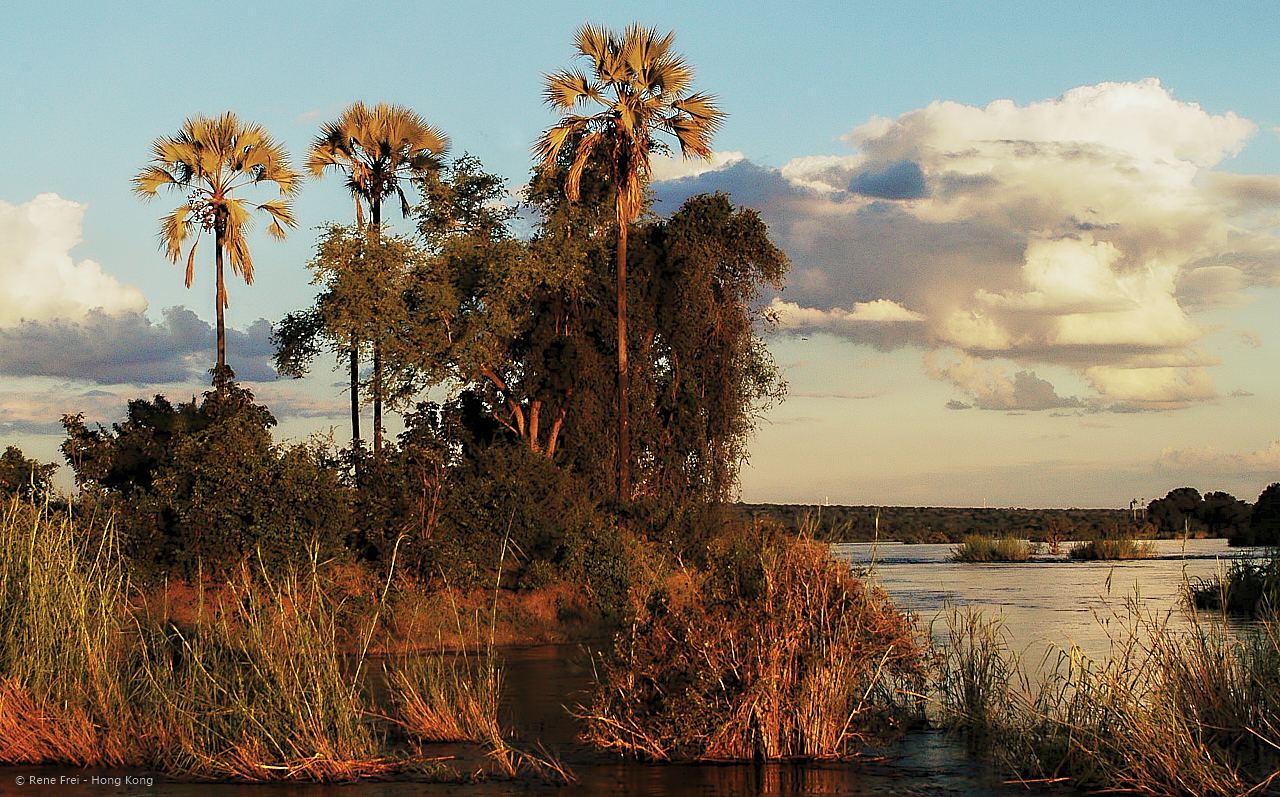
(567, 88)
(649, 85)
(191, 263)
(149, 180)
(174, 229)
(593, 41)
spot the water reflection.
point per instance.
(1052, 602)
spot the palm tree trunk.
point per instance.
(624, 387)
(221, 301)
(355, 391)
(377, 347)
(377, 397)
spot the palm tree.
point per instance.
(375, 147)
(643, 89)
(208, 160)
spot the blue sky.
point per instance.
(1098, 323)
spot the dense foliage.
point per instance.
(28, 479)
(201, 486)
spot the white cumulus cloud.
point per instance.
(39, 279)
(1083, 231)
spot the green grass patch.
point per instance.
(1249, 587)
(976, 548)
(1119, 548)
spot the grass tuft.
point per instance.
(1171, 712)
(1118, 548)
(774, 651)
(976, 548)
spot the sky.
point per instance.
(1035, 252)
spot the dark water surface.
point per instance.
(1055, 602)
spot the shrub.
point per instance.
(1120, 548)
(773, 651)
(1249, 587)
(202, 487)
(989, 549)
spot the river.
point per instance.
(1053, 602)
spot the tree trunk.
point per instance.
(377, 397)
(355, 391)
(377, 346)
(221, 288)
(624, 387)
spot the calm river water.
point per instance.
(1054, 602)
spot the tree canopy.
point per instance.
(208, 161)
(642, 88)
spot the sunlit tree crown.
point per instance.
(640, 88)
(208, 160)
(375, 148)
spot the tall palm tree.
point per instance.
(375, 147)
(642, 89)
(208, 160)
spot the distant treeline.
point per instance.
(939, 524)
(1183, 512)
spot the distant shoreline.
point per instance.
(940, 524)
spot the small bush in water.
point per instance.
(772, 651)
(992, 549)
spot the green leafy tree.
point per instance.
(201, 486)
(376, 148)
(1264, 523)
(361, 300)
(28, 479)
(1177, 512)
(490, 313)
(702, 368)
(208, 161)
(642, 89)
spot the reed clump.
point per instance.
(977, 548)
(1113, 548)
(1171, 712)
(1249, 587)
(771, 651)
(254, 689)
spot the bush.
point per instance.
(201, 487)
(774, 651)
(1119, 548)
(988, 549)
(1249, 587)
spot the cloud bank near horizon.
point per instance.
(1083, 232)
(71, 320)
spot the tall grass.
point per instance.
(976, 548)
(258, 692)
(1170, 713)
(781, 653)
(1117, 548)
(255, 689)
(1248, 587)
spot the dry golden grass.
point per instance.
(254, 688)
(777, 651)
(1169, 713)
